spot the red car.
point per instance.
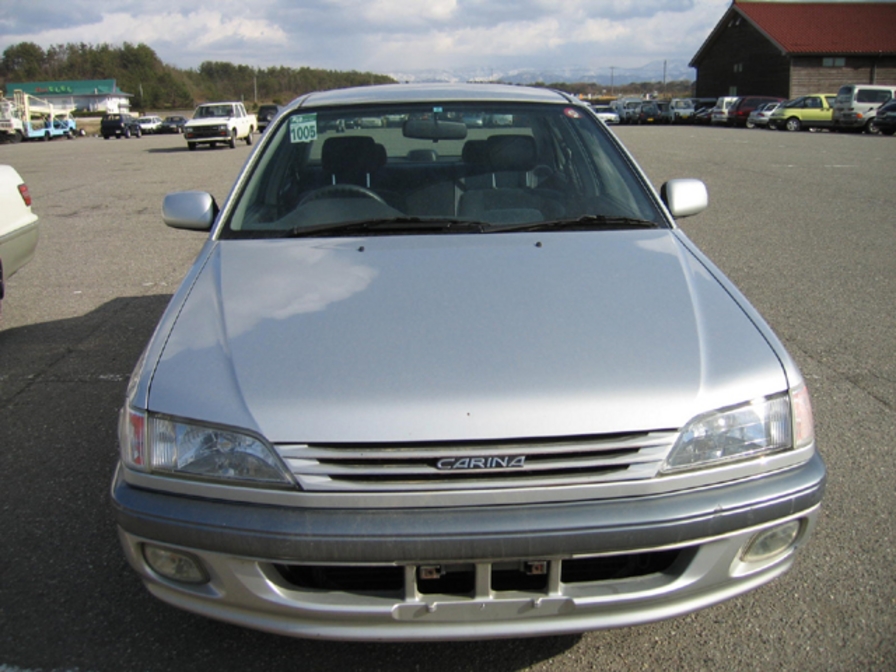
(739, 113)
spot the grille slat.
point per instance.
(442, 466)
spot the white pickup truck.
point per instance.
(220, 122)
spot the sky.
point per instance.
(382, 36)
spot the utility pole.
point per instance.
(612, 82)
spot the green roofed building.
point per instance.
(92, 95)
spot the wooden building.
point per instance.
(789, 49)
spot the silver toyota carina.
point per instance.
(446, 368)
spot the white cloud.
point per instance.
(379, 35)
(198, 29)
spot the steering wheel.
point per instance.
(337, 190)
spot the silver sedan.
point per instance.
(429, 380)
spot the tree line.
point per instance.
(139, 71)
(156, 86)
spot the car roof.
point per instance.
(424, 93)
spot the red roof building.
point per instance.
(790, 49)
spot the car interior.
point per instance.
(527, 166)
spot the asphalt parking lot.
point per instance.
(802, 222)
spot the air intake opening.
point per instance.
(383, 580)
(607, 568)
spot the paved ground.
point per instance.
(803, 223)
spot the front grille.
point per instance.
(208, 132)
(446, 466)
(460, 580)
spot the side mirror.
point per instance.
(685, 197)
(192, 210)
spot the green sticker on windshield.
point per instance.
(303, 128)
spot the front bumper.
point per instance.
(253, 553)
(850, 120)
(201, 134)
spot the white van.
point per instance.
(857, 104)
(720, 111)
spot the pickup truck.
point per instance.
(220, 122)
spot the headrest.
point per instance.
(511, 152)
(475, 152)
(352, 154)
(423, 155)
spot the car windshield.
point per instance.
(438, 168)
(211, 111)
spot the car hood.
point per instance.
(209, 121)
(457, 337)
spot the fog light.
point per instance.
(174, 565)
(769, 543)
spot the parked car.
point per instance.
(885, 118)
(173, 124)
(739, 113)
(682, 110)
(606, 114)
(703, 108)
(628, 109)
(856, 106)
(760, 116)
(719, 115)
(18, 225)
(648, 113)
(150, 124)
(665, 110)
(119, 126)
(806, 112)
(505, 395)
(265, 114)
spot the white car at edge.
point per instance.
(18, 225)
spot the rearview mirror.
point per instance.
(433, 129)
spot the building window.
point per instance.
(732, 90)
(832, 62)
(738, 67)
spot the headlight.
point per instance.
(760, 427)
(166, 446)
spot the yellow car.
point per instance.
(815, 110)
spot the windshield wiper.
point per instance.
(389, 226)
(393, 226)
(583, 223)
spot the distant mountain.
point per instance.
(607, 76)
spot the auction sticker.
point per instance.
(303, 128)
